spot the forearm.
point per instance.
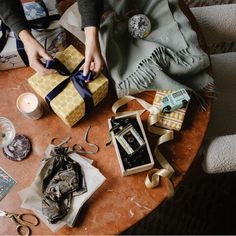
(90, 11)
(12, 14)
(91, 41)
(26, 37)
(91, 33)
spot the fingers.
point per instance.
(35, 53)
(98, 68)
(95, 65)
(86, 66)
(91, 67)
(45, 55)
(37, 66)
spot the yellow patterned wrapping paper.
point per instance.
(173, 120)
(69, 105)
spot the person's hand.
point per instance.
(93, 57)
(35, 52)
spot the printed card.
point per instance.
(6, 183)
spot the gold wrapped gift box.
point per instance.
(69, 105)
(173, 120)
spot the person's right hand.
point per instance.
(93, 57)
(35, 52)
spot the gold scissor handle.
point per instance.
(23, 230)
(28, 219)
(24, 221)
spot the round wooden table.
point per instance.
(121, 201)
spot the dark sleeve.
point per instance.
(90, 11)
(12, 14)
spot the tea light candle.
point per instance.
(29, 105)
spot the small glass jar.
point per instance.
(7, 132)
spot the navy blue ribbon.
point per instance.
(78, 80)
(3, 38)
(60, 67)
(43, 22)
(21, 51)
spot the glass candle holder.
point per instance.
(7, 132)
(29, 105)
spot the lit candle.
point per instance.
(29, 105)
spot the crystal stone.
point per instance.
(139, 26)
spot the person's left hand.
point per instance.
(93, 57)
(35, 53)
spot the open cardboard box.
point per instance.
(148, 157)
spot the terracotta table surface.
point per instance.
(121, 201)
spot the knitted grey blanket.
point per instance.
(168, 58)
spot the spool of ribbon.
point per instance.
(78, 80)
(153, 177)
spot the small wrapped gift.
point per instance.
(69, 104)
(173, 120)
(52, 37)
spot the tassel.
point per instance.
(200, 100)
(176, 58)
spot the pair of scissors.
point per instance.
(23, 221)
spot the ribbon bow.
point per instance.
(78, 80)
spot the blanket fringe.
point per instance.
(200, 100)
(210, 88)
(201, 97)
(160, 58)
(185, 52)
(209, 91)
